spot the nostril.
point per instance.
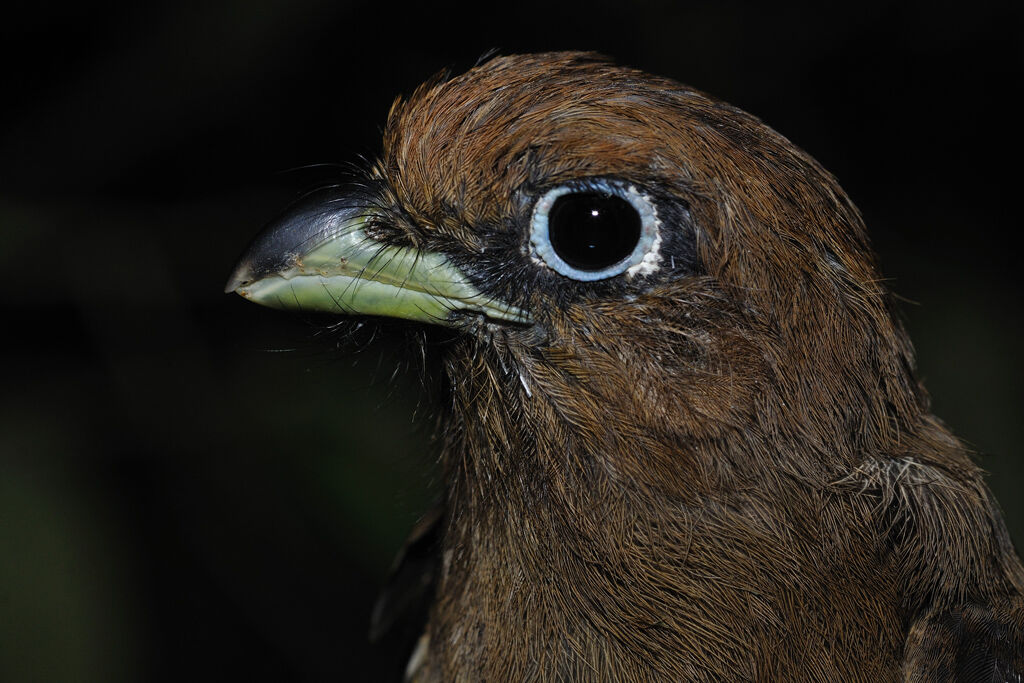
(388, 232)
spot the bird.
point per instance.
(681, 433)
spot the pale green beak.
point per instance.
(318, 257)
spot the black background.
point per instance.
(194, 488)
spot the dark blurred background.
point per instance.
(194, 488)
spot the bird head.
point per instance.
(637, 272)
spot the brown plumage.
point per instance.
(717, 465)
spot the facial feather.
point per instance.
(771, 253)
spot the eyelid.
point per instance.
(645, 257)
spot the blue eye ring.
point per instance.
(642, 260)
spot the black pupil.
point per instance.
(593, 230)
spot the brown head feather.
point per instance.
(723, 470)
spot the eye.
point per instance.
(595, 230)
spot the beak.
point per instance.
(318, 257)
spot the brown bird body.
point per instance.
(716, 465)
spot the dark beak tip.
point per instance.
(307, 223)
(241, 277)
